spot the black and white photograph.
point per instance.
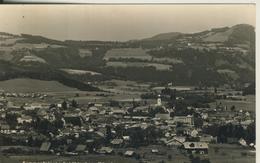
(128, 83)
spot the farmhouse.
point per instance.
(155, 151)
(93, 110)
(196, 147)
(105, 150)
(184, 119)
(194, 133)
(163, 116)
(24, 119)
(242, 142)
(176, 141)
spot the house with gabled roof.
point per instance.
(80, 148)
(129, 153)
(117, 142)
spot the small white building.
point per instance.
(129, 153)
(159, 101)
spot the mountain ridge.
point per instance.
(171, 35)
(158, 36)
(225, 54)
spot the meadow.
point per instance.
(23, 85)
(158, 66)
(246, 105)
(79, 72)
(226, 153)
(137, 53)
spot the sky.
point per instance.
(120, 22)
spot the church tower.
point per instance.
(159, 101)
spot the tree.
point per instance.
(113, 103)
(195, 160)
(233, 108)
(198, 121)
(64, 105)
(108, 134)
(199, 160)
(216, 149)
(11, 119)
(53, 106)
(215, 90)
(173, 95)
(181, 108)
(151, 134)
(134, 103)
(250, 133)
(58, 123)
(137, 156)
(169, 157)
(44, 126)
(137, 137)
(119, 130)
(74, 103)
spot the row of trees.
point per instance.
(223, 132)
(138, 136)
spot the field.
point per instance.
(247, 105)
(85, 53)
(218, 153)
(80, 72)
(10, 45)
(218, 37)
(158, 66)
(226, 153)
(35, 46)
(9, 41)
(144, 152)
(232, 74)
(31, 85)
(31, 58)
(162, 155)
(64, 159)
(5, 55)
(137, 53)
(114, 90)
(178, 88)
(123, 87)
(168, 60)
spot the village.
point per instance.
(136, 130)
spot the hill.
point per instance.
(241, 33)
(219, 56)
(163, 36)
(41, 72)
